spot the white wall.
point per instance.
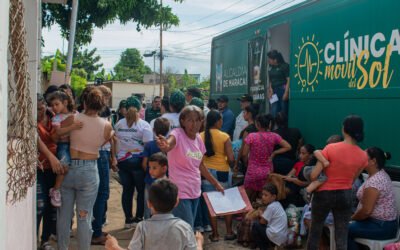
(4, 6)
(21, 217)
(121, 91)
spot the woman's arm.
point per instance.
(357, 174)
(144, 163)
(245, 154)
(54, 162)
(209, 177)
(229, 151)
(316, 171)
(368, 202)
(67, 126)
(239, 156)
(320, 157)
(286, 94)
(285, 146)
(108, 133)
(292, 172)
(295, 181)
(165, 144)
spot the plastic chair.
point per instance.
(380, 244)
(332, 242)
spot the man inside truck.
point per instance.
(245, 100)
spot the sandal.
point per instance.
(101, 242)
(230, 237)
(210, 237)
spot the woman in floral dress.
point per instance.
(258, 153)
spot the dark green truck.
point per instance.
(344, 59)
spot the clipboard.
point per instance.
(246, 200)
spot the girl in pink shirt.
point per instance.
(185, 162)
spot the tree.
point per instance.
(88, 61)
(78, 76)
(99, 13)
(131, 66)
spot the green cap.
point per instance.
(122, 104)
(133, 101)
(197, 102)
(177, 97)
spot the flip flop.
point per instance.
(230, 237)
(210, 237)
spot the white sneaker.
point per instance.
(207, 228)
(199, 229)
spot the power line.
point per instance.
(213, 14)
(228, 20)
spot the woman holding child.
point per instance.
(259, 152)
(185, 161)
(376, 214)
(345, 163)
(133, 133)
(219, 154)
(80, 184)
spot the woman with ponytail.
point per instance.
(345, 163)
(376, 214)
(133, 133)
(218, 156)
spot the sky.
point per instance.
(187, 46)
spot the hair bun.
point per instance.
(388, 156)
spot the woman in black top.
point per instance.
(283, 163)
(249, 115)
(278, 74)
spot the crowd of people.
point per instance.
(178, 148)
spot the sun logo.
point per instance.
(308, 64)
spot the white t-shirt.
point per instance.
(131, 139)
(276, 223)
(173, 120)
(240, 124)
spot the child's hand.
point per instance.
(114, 164)
(271, 157)
(77, 125)
(111, 243)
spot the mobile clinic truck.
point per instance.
(344, 59)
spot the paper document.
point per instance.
(274, 98)
(231, 201)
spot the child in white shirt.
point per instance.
(272, 228)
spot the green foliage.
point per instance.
(78, 76)
(89, 61)
(99, 13)
(130, 67)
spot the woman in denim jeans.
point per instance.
(133, 133)
(81, 183)
(376, 214)
(346, 162)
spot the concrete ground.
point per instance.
(116, 219)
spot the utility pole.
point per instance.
(72, 27)
(161, 54)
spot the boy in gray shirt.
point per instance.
(162, 230)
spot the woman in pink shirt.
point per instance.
(376, 214)
(185, 162)
(347, 161)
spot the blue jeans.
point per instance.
(340, 202)
(371, 228)
(80, 186)
(132, 176)
(202, 218)
(280, 105)
(147, 212)
(103, 193)
(63, 153)
(186, 210)
(44, 210)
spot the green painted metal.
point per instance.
(327, 81)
